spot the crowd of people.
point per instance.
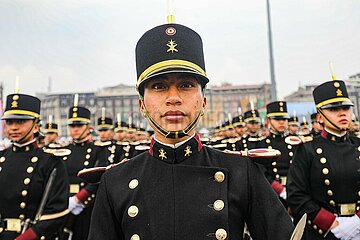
(174, 183)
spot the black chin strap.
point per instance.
(333, 124)
(28, 132)
(172, 134)
(272, 125)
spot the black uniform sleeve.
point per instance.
(267, 218)
(56, 206)
(104, 224)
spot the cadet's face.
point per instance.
(240, 130)
(293, 128)
(253, 127)
(120, 135)
(77, 131)
(280, 125)
(50, 138)
(17, 129)
(106, 135)
(173, 101)
(340, 116)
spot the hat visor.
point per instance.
(337, 104)
(72, 122)
(17, 116)
(280, 117)
(203, 79)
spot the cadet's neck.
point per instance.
(174, 143)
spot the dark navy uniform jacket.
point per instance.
(24, 172)
(324, 180)
(188, 192)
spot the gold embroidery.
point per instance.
(172, 46)
(162, 153)
(339, 92)
(187, 151)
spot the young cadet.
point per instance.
(180, 189)
(84, 154)
(29, 209)
(323, 180)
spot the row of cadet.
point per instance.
(180, 188)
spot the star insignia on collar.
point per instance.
(187, 151)
(162, 153)
(172, 46)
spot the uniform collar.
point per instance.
(26, 147)
(82, 142)
(175, 153)
(335, 138)
(274, 134)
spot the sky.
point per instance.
(89, 44)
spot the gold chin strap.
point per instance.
(333, 124)
(28, 132)
(82, 134)
(272, 125)
(172, 134)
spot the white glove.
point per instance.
(348, 228)
(74, 206)
(283, 194)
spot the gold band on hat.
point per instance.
(79, 119)
(167, 64)
(277, 114)
(21, 112)
(333, 100)
(105, 125)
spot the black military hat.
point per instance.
(131, 128)
(120, 126)
(238, 121)
(169, 48)
(293, 120)
(21, 106)
(228, 125)
(313, 117)
(78, 115)
(104, 123)
(331, 94)
(252, 116)
(277, 110)
(51, 128)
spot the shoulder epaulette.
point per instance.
(135, 143)
(122, 143)
(221, 145)
(102, 144)
(142, 147)
(55, 145)
(234, 140)
(297, 140)
(60, 152)
(256, 139)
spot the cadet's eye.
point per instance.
(158, 85)
(187, 84)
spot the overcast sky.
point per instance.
(89, 44)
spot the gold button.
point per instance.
(219, 177)
(0, 169)
(314, 227)
(86, 202)
(24, 193)
(1, 229)
(323, 160)
(273, 163)
(82, 184)
(319, 151)
(2, 159)
(133, 211)
(327, 182)
(92, 195)
(221, 234)
(219, 205)
(42, 238)
(325, 171)
(267, 140)
(135, 237)
(22, 216)
(89, 150)
(233, 145)
(291, 154)
(65, 158)
(277, 176)
(86, 163)
(321, 231)
(26, 181)
(133, 184)
(329, 192)
(244, 141)
(126, 154)
(29, 169)
(359, 148)
(269, 147)
(89, 198)
(309, 222)
(359, 193)
(22, 205)
(289, 146)
(332, 202)
(34, 159)
(87, 156)
(275, 170)
(290, 161)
